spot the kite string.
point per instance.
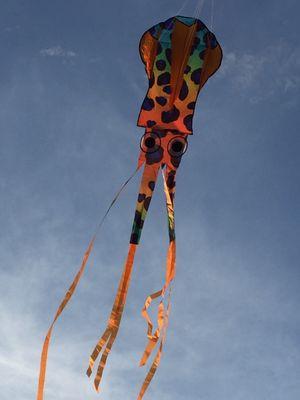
(183, 7)
(115, 199)
(198, 8)
(212, 14)
(196, 12)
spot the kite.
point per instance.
(179, 56)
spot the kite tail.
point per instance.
(147, 186)
(111, 331)
(157, 358)
(163, 315)
(70, 292)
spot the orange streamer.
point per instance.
(113, 325)
(154, 338)
(157, 358)
(162, 318)
(145, 308)
(44, 356)
(107, 339)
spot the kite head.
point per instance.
(179, 55)
(163, 148)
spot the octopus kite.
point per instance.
(179, 55)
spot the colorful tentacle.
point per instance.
(70, 292)
(157, 357)
(147, 186)
(68, 295)
(162, 319)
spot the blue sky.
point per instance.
(71, 87)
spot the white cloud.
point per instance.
(57, 51)
(11, 28)
(272, 70)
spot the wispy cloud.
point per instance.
(274, 69)
(11, 28)
(58, 51)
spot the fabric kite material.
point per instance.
(179, 55)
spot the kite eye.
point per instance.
(150, 142)
(177, 146)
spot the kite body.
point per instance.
(179, 55)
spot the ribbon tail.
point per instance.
(144, 198)
(169, 189)
(114, 321)
(71, 290)
(97, 350)
(151, 372)
(66, 299)
(157, 359)
(153, 339)
(103, 360)
(145, 314)
(163, 317)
